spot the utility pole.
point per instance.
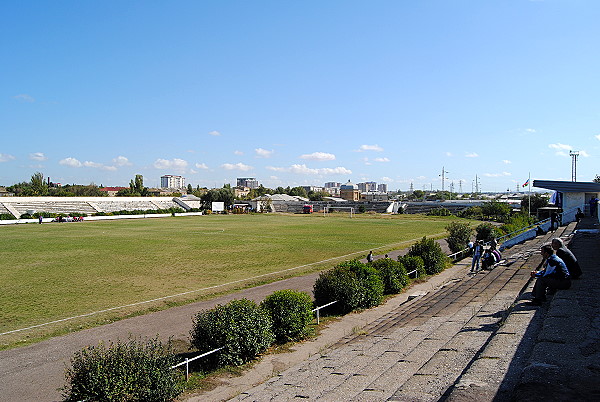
(460, 186)
(574, 155)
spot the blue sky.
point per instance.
(300, 93)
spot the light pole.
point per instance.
(574, 155)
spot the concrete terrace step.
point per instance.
(416, 352)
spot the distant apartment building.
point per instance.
(382, 188)
(314, 189)
(367, 187)
(249, 182)
(171, 181)
(332, 184)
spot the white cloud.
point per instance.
(449, 154)
(503, 174)
(24, 98)
(121, 161)
(375, 147)
(237, 166)
(561, 149)
(584, 154)
(37, 156)
(471, 155)
(597, 137)
(531, 130)
(506, 161)
(6, 157)
(387, 179)
(560, 146)
(381, 160)
(239, 153)
(303, 169)
(98, 166)
(318, 156)
(201, 166)
(263, 153)
(72, 162)
(176, 164)
(214, 133)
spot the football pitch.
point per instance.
(112, 269)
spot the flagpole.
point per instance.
(529, 182)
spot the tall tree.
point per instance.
(38, 185)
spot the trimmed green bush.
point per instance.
(290, 312)
(353, 284)
(240, 326)
(130, 371)
(6, 217)
(431, 253)
(485, 231)
(413, 263)
(459, 234)
(392, 274)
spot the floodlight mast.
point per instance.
(574, 155)
(443, 176)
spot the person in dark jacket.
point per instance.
(568, 257)
(554, 275)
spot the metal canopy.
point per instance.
(568, 186)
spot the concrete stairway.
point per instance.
(418, 351)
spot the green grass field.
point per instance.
(54, 271)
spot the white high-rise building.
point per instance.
(382, 188)
(171, 181)
(249, 182)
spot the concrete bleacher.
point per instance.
(87, 205)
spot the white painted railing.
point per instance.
(187, 361)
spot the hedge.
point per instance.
(240, 326)
(290, 312)
(430, 251)
(129, 371)
(392, 274)
(353, 284)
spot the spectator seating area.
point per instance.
(87, 205)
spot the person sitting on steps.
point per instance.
(554, 275)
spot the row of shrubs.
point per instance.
(243, 329)
(141, 371)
